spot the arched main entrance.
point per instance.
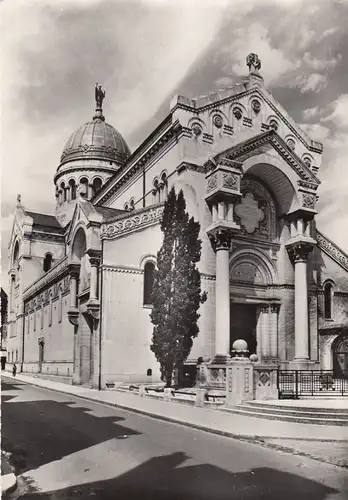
(340, 357)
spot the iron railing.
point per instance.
(293, 384)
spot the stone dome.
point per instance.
(96, 140)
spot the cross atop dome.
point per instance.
(254, 63)
(99, 97)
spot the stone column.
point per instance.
(93, 293)
(299, 253)
(264, 332)
(221, 241)
(273, 327)
(12, 300)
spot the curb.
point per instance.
(8, 483)
(173, 420)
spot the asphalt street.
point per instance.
(65, 448)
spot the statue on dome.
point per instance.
(253, 62)
(99, 95)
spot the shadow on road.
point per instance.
(161, 478)
(39, 432)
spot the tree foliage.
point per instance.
(176, 293)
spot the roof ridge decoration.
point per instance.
(48, 277)
(271, 137)
(134, 222)
(332, 250)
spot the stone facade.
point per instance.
(250, 176)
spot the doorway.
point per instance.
(243, 321)
(340, 359)
(41, 354)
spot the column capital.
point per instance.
(220, 238)
(74, 270)
(274, 308)
(300, 250)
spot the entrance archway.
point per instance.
(340, 357)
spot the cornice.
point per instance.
(238, 95)
(51, 275)
(272, 138)
(126, 223)
(41, 235)
(332, 250)
(122, 269)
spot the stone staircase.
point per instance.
(293, 413)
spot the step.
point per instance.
(294, 406)
(323, 413)
(286, 418)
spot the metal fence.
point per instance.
(294, 384)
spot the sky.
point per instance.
(146, 51)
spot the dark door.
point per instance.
(243, 321)
(340, 359)
(41, 355)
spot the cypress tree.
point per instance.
(176, 293)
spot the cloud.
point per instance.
(316, 131)
(255, 38)
(311, 112)
(314, 82)
(320, 64)
(339, 112)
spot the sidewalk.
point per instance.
(213, 421)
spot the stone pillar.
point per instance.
(239, 381)
(12, 291)
(299, 253)
(273, 327)
(264, 329)
(89, 193)
(93, 293)
(221, 241)
(73, 290)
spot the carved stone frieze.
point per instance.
(52, 274)
(332, 250)
(112, 230)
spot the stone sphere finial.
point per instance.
(254, 358)
(240, 345)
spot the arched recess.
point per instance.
(256, 212)
(15, 256)
(72, 184)
(278, 176)
(97, 184)
(47, 263)
(339, 350)
(328, 299)
(251, 266)
(149, 271)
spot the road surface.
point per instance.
(66, 448)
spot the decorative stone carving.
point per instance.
(218, 121)
(220, 238)
(291, 144)
(247, 272)
(212, 182)
(237, 112)
(300, 251)
(332, 250)
(230, 181)
(249, 212)
(256, 105)
(253, 63)
(131, 223)
(196, 129)
(273, 125)
(308, 200)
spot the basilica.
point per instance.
(81, 279)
